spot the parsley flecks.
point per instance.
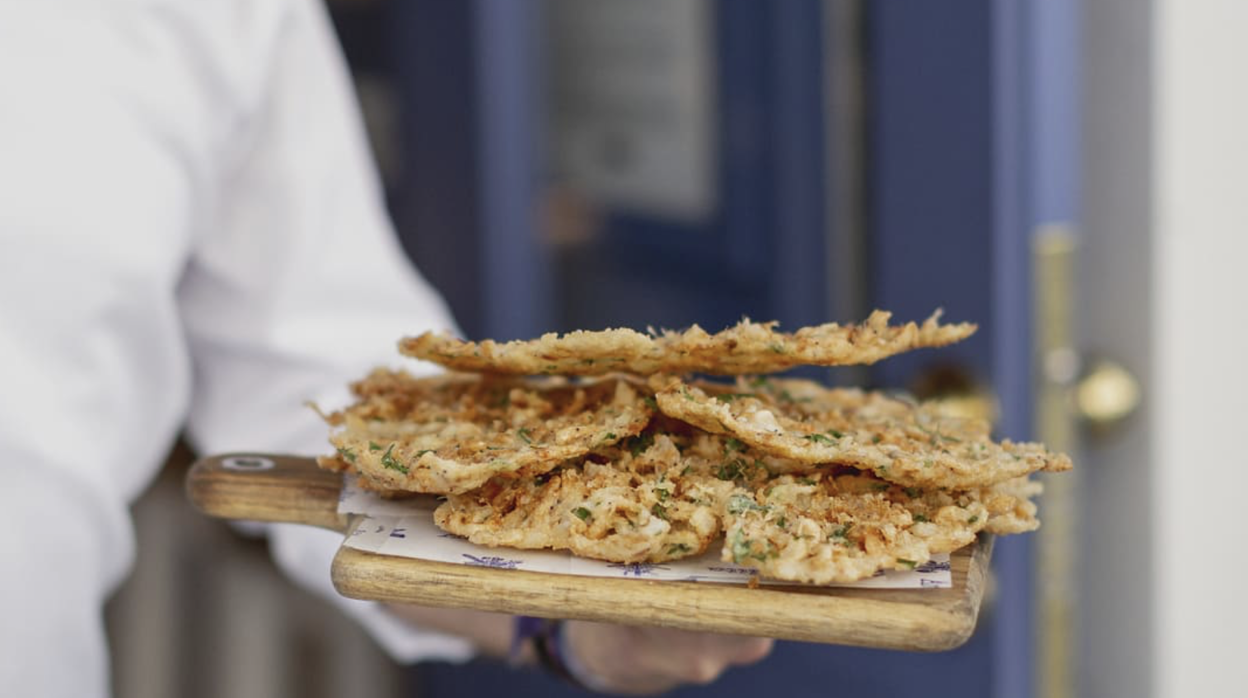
(729, 397)
(910, 564)
(581, 513)
(777, 348)
(676, 548)
(876, 439)
(374, 446)
(525, 435)
(423, 452)
(731, 470)
(973, 519)
(733, 445)
(835, 434)
(347, 453)
(740, 503)
(740, 468)
(741, 548)
(662, 494)
(651, 402)
(640, 444)
(920, 518)
(609, 436)
(388, 461)
(842, 533)
(819, 438)
(913, 492)
(660, 511)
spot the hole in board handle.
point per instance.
(248, 463)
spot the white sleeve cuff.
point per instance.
(306, 554)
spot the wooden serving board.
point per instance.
(262, 487)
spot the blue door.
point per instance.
(885, 154)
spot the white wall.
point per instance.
(1200, 338)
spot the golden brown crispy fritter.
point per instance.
(664, 496)
(642, 501)
(450, 434)
(902, 442)
(1008, 504)
(804, 482)
(745, 348)
(758, 348)
(824, 529)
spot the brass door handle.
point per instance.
(1105, 395)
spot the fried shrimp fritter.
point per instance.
(841, 529)
(748, 347)
(450, 434)
(1008, 504)
(591, 442)
(663, 496)
(905, 443)
(643, 502)
(758, 348)
(582, 353)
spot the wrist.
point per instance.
(546, 642)
(574, 665)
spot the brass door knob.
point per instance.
(1105, 395)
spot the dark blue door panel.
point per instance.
(933, 201)
(762, 254)
(466, 74)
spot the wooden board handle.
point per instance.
(266, 487)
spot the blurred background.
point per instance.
(1065, 173)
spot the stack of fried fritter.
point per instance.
(599, 443)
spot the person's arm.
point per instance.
(96, 194)
(117, 124)
(297, 285)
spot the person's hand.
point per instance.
(641, 660)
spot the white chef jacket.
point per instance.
(191, 233)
